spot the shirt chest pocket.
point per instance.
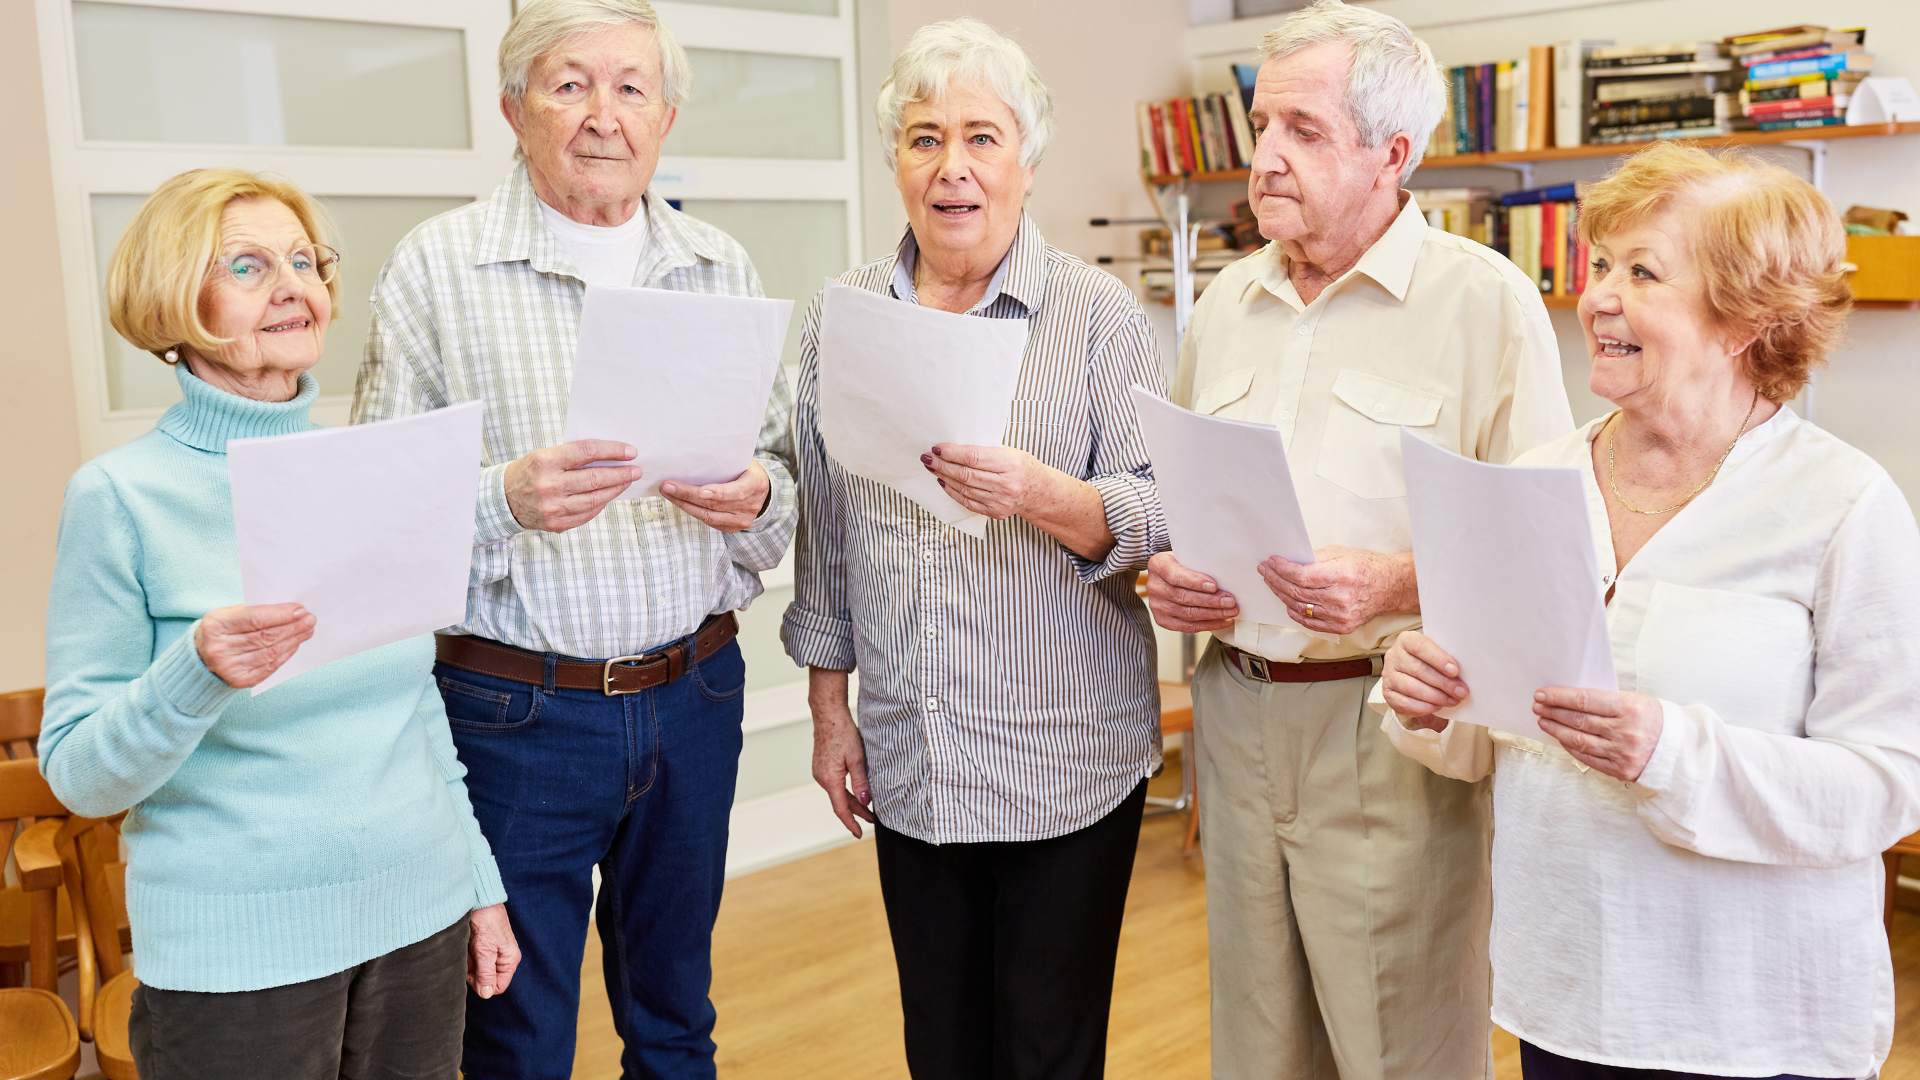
(1054, 431)
(1224, 391)
(1360, 448)
(1748, 657)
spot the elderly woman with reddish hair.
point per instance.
(1686, 872)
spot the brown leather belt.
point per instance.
(1261, 669)
(619, 675)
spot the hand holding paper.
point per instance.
(370, 528)
(682, 377)
(897, 379)
(1509, 583)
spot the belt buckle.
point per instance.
(1256, 666)
(606, 674)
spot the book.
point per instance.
(1611, 55)
(1805, 52)
(1793, 80)
(1242, 131)
(1684, 67)
(1740, 41)
(1489, 103)
(1570, 95)
(1772, 110)
(1503, 106)
(1656, 130)
(1811, 36)
(1520, 127)
(1648, 110)
(1817, 89)
(1243, 77)
(1799, 114)
(1147, 164)
(1549, 250)
(1462, 112)
(1821, 65)
(1540, 107)
(1790, 125)
(1534, 196)
(1612, 90)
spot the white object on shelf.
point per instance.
(1883, 99)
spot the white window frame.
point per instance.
(83, 168)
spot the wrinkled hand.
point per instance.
(996, 481)
(1187, 601)
(729, 507)
(1419, 679)
(492, 953)
(549, 489)
(244, 645)
(1346, 587)
(1611, 731)
(839, 757)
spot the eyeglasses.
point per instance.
(256, 267)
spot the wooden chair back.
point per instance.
(20, 723)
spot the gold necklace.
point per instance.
(1615, 484)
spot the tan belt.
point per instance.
(619, 675)
(1261, 669)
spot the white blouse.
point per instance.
(1722, 914)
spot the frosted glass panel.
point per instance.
(172, 75)
(365, 229)
(797, 7)
(794, 245)
(760, 105)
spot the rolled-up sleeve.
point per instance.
(817, 629)
(1118, 466)
(760, 545)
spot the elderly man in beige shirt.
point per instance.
(1347, 895)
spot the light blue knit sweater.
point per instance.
(273, 839)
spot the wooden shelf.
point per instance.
(1523, 157)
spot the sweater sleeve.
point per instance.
(432, 715)
(1851, 787)
(119, 719)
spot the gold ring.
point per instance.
(1309, 611)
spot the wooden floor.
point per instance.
(805, 986)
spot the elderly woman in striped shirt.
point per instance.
(1008, 702)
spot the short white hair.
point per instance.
(962, 50)
(542, 25)
(1394, 84)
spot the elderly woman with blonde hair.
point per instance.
(1008, 708)
(1686, 872)
(306, 882)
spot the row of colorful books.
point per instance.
(1586, 92)
(1800, 76)
(1193, 135)
(1534, 228)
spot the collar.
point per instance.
(512, 231)
(206, 416)
(1389, 262)
(1021, 275)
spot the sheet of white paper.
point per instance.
(1509, 583)
(370, 527)
(682, 377)
(1228, 497)
(897, 378)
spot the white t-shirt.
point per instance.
(604, 254)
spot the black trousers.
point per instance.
(395, 1017)
(1538, 1064)
(1006, 950)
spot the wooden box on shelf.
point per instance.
(1888, 267)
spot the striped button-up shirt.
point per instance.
(481, 304)
(1007, 685)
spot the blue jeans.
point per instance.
(639, 785)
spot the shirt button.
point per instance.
(927, 555)
(933, 704)
(931, 631)
(1302, 330)
(1285, 415)
(1380, 405)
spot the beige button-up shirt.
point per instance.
(1429, 330)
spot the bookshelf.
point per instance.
(1569, 303)
(1604, 150)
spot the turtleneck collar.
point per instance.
(208, 417)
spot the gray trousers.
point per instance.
(396, 1016)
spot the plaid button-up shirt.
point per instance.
(481, 304)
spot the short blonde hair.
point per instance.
(542, 25)
(1770, 248)
(160, 265)
(942, 53)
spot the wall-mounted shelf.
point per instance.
(1530, 157)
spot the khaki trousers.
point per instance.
(1347, 890)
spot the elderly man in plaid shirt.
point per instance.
(595, 687)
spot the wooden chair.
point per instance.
(89, 850)
(19, 736)
(1176, 718)
(39, 1039)
(1908, 846)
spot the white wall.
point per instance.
(1857, 397)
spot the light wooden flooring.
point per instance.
(805, 986)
